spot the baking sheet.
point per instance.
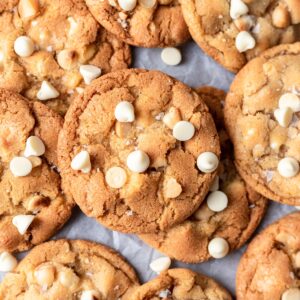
(196, 70)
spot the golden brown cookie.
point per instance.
(121, 160)
(269, 269)
(262, 117)
(234, 221)
(49, 42)
(65, 269)
(33, 206)
(143, 23)
(181, 284)
(235, 31)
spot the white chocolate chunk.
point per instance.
(138, 161)
(116, 177)
(160, 264)
(217, 201)
(291, 294)
(73, 25)
(244, 41)
(35, 161)
(215, 185)
(45, 275)
(147, 3)
(20, 166)
(89, 73)
(68, 279)
(34, 147)
(207, 162)
(89, 295)
(124, 112)
(183, 131)
(22, 222)
(47, 91)
(283, 116)
(24, 46)
(28, 8)
(127, 5)
(237, 9)
(218, 248)
(290, 100)
(82, 162)
(288, 167)
(7, 262)
(171, 56)
(172, 117)
(172, 189)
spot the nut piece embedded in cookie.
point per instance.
(28, 8)
(89, 295)
(172, 189)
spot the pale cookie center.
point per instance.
(89, 295)
(147, 3)
(160, 264)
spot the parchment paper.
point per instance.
(196, 70)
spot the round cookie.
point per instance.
(33, 206)
(263, 123)
(189, 241)
(155, 23)
(235, 31)
(269, 268)
(136, 176)
(64, 37)
(181, 284)
(75, 269)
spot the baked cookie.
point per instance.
(138, 151)
(228, 217)
(269, 269)
(143, 23)
(33, 206)
(65, 269)
(181, 284)
(235, 31)
(262, 117)
(49, 50)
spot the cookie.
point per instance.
(33, 206)
(65, 269)
(229, 216)
(269, 268)
(50, 49)
(143, 23)
(236, 31)
(138, 151)
(181, 284)
(261, 114)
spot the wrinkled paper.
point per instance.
(196, 70)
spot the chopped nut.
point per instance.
(68, 279)
(172, 188)
(72, 79)
(28, 8)
(45, 275)
(123, 129)
(281, 16)
(172, 117)
(35, 161)
(36, 202)
(277, 138)
(67, 59)
(244, 23)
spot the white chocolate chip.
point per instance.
(207, 162)
(183, 131)
(22, 222)
(291, 294)
(24, 46)
(217, 201)
(171, 56)
(215, 185)
(20, 166)
(237, 9)
(160, 264)
(124, 112)
(218, 247)
(288, 167)
(290, 100)
(138, 161)
(147, 3)
(172, 188)
(283, 116)
(172, 117)
(89, 295)
(127, 5)
(244, 41)
(34, 147)
(116, 177)
(7, 262)
(45, 275)
(28, 8)
(82, 162)
(89, 73)
(47, 91)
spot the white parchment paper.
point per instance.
(196, 70)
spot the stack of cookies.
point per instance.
(189, 171)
